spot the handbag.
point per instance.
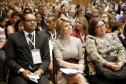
(105, 72)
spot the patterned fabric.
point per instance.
(98, 48)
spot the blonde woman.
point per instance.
(69, 54)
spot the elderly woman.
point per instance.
(101, 45)
(69, 54)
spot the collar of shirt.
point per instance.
(26, 33)
(123, 36)
(52, 35)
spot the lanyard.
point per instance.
(53, 36)
(33, 43)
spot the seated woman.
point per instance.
(80, 30)
(69, 54)
(100, 45)
(14, 18)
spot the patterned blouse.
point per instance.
(98, 48)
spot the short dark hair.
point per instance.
(62, 6)
(37, 14)
(41, 6)
(53, 17)
(112, 11)
(92, 25)
(23, 16)
(30, 11)
(15, 14)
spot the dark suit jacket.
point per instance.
(47, 32)
(19, 54)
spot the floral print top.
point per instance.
(99, 48)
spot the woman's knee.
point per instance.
(78, 79)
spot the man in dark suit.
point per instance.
(44, 11)
(52, 34)
(28, 54)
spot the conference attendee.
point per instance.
(52, 34)
(28, 54)
(44, 11)
(69, 55)
(104, 53)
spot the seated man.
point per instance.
(28, 54)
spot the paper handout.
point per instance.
(69, 71)
(34, 78)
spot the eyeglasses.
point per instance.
(100, 26)
(31, 20)
(104, 16)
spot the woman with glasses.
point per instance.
(69, 55)
(99, 46)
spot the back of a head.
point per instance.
(27, 10)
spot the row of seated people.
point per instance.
(101, 48)
(68, 51)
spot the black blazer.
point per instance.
(19, 55)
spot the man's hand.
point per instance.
(25, 74)
(39, 72)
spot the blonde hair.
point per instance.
(60, 23)
(85, 23)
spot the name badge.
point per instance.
(36, 56)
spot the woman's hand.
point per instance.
(115, 66)
(118, 66)
(110, 65)
(81, 67)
